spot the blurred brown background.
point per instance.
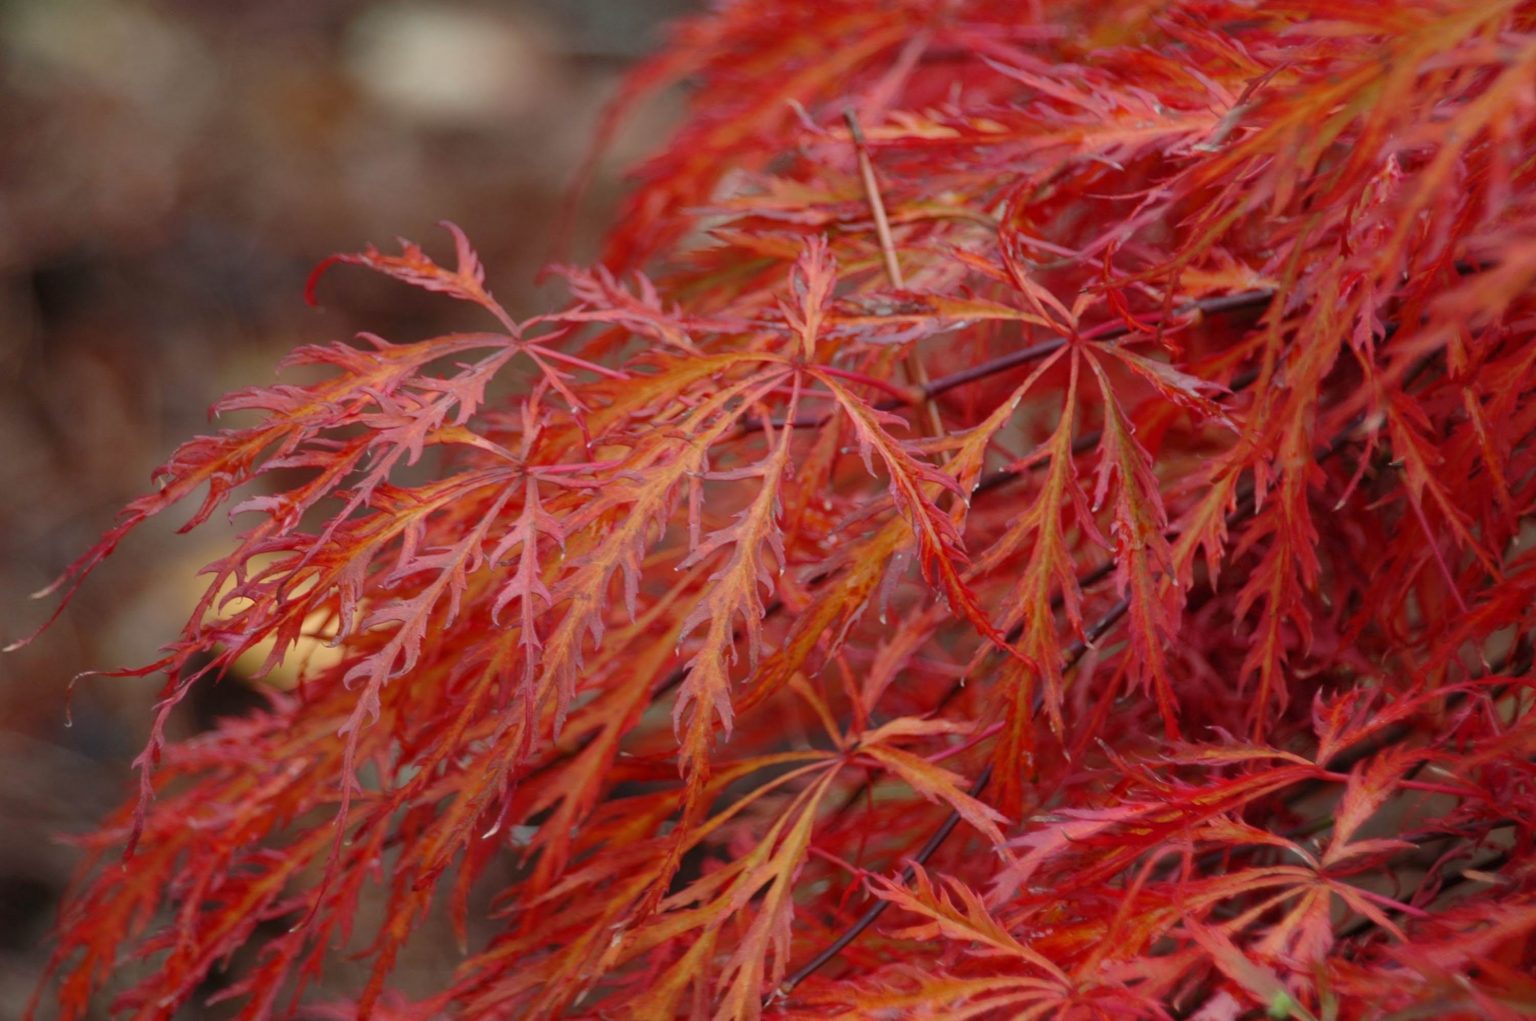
(169, 174)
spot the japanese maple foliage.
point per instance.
(1061, 472)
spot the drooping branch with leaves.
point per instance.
(1030, 518)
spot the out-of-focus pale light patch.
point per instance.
(447, 65)
(144, 59)
(311, 654)
(180, 587)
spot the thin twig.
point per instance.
(917, 375)
(926, 392)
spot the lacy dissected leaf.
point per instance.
(466, 281)
(913, 485)
(630, 509)
(735, 591)
(1142, 554)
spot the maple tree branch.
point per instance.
(1044, 183)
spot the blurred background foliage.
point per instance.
(170, 171)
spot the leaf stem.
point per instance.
(917, 374)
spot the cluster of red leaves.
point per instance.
(1087, 511)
